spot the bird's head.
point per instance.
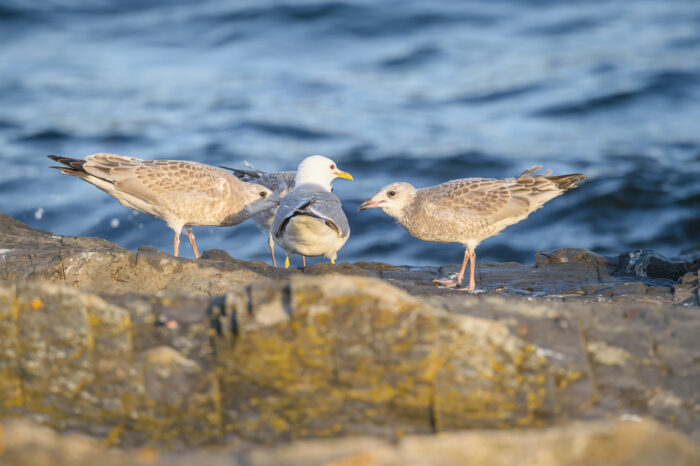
(319, 170)
(258, 198)
(392, 199)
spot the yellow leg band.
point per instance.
(332, 261)
(286, 262)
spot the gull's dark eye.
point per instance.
(263, 194)
(333, 167)
(391, 193)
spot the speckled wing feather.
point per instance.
(153, 181)
(321, 205)
(490, 199)
(469, 198)
(174, 190)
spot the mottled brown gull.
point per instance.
(468, 210)
(280, 183)
(310, 220)
(184, 194)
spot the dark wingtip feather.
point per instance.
(565, 182)
(70, 163)
(242, 174)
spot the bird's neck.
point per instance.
(314, 185)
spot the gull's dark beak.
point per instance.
(369, 204)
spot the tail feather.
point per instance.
(69, 163)
(244, 175)
(565, 182)
(529, 171)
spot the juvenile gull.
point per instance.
(310, 220)
(184, 194)
(280, 183)
(468, 210)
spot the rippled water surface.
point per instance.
(417, 91)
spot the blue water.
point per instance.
(410, 90)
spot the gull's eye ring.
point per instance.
(391, 193)
(263, 194)
(332, 166)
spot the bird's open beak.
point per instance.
(370, 204)
(342, 174)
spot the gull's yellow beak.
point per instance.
(341, 174)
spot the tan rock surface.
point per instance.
(140, 348)
(641, 443)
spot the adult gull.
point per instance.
(310, 220)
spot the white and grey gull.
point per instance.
(468, 210)
(184, 194)
(310, 220)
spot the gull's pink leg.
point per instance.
(449, 282)
(460, 277)
(176, 243)
(190, 235)
(303, 261)
(271, 244)
(472, 271)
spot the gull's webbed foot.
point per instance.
(448, 282)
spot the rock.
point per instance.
(616, 443)
(640, 442)
(569, 255)
(300, 348)
(318, 356)
(644, 263)
(686, 295)
(167, 372)
(101, 266)
(689, 278)
(143, 348)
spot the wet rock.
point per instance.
(645, 263)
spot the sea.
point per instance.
(412, 90)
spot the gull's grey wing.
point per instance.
(321, 205)
(279, 183)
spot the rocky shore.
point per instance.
(144, 352)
